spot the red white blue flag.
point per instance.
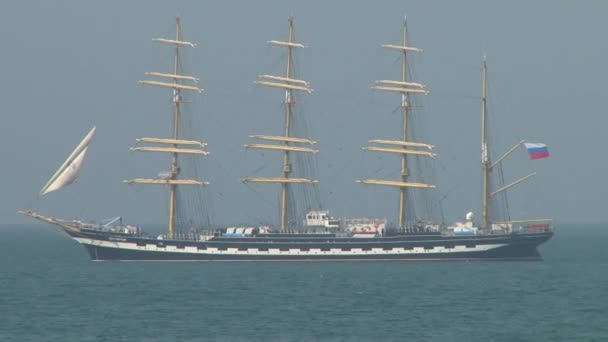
(537, 150)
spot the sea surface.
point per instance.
(50, 291)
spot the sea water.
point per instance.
(50, 291)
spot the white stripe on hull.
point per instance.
(276, 252)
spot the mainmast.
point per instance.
(404, 110)
(404, 87)
(286, 141)
(174, 144)
(485, 160)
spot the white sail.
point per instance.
(69, 170)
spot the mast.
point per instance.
(174, 166)
(404, 111)
(172, 145)
(485, 160)
(404, 87)
(488, 165)
(288, 104)
(286, 141)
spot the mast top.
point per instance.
(177, 40)
(290, 42)
(286, 82)
(403, 47)
(177, 79)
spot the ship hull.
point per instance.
(103, 246)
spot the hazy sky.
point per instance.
(69, 65)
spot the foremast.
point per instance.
(173, 145)
(286, 142)
(403, 146)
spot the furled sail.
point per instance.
(69, 170)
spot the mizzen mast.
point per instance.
(485, 160)
(487, 165)
(173, 145)
(402, 147)
(286, 142)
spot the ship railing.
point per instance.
(521, 226)
(125, 230)
(415, 227)
(192, 235)
(533, 228)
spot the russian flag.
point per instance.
(537, 150)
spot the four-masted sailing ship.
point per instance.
(409, 242)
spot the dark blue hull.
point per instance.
(504, 254)
(432, 247)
